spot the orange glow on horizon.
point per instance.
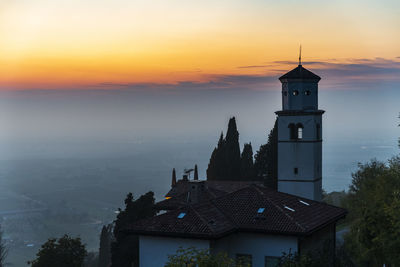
(70, 44)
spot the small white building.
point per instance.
(255, 223)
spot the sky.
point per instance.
(127, 70)
(102, 44)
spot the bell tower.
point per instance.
(300, 135)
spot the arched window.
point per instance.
(299, 127)
(293, 132)
(318, 134)
(307, 92)
(295, 92)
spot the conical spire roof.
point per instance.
(300, 73)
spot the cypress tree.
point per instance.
(216, 165)
(105, 247)
(3, 250)
(266, 160)
(173, 183)
(232, 152)
(196, 173)
(247, 165)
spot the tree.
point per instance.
(62, 252)
(3, 250)
(192, 257)
(105, 246)
(232, 150)
(247, 165)
(266, 160)
(216, 166)
(196, 173)
(125, 250)
(373, 203)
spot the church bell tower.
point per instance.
(300, 135)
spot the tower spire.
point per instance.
(300, 56)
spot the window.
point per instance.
(299, 131)
(293, 133)
(244, 259)
(296, 170)
(307, 92)
(285, 93)
(318, 135)
(295, 92)
(272, 261)
(181, 215)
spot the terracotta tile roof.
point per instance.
(178, 195)
(238, 211)
(300, 73)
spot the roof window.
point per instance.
(181, 215)
(305, 203)
(286, 207)
(260, 210)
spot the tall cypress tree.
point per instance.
(105, 246)
(196, 173)
(247, 165)
(216, 165)
(266, 160)
(232, 151)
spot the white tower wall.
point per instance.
(300, 136)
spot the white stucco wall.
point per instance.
(258, 245)
(154, 251)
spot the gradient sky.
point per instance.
(74, 44)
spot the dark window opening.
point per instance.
(318, 131)
(296, 170)
(272, 261)
(295, 92)
(293, 132)
(244, 260)
(307, 92)
(285, 93)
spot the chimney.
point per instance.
(195, 191)
(173, 178)
(196, 173)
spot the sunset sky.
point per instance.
(75, 44)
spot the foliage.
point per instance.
(374, 203)
(192, 257)
(266, 160)
(3, 250)
(124, 251)
(62, 252)
(225, 161)
(247, 165)
(105, 246)
(91, 260)
(232, 152)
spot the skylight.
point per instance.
(286, 207)
(260, 210)
(305, 203)
(181, 215)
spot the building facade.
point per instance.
(300, 135)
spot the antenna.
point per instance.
(300, 56)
